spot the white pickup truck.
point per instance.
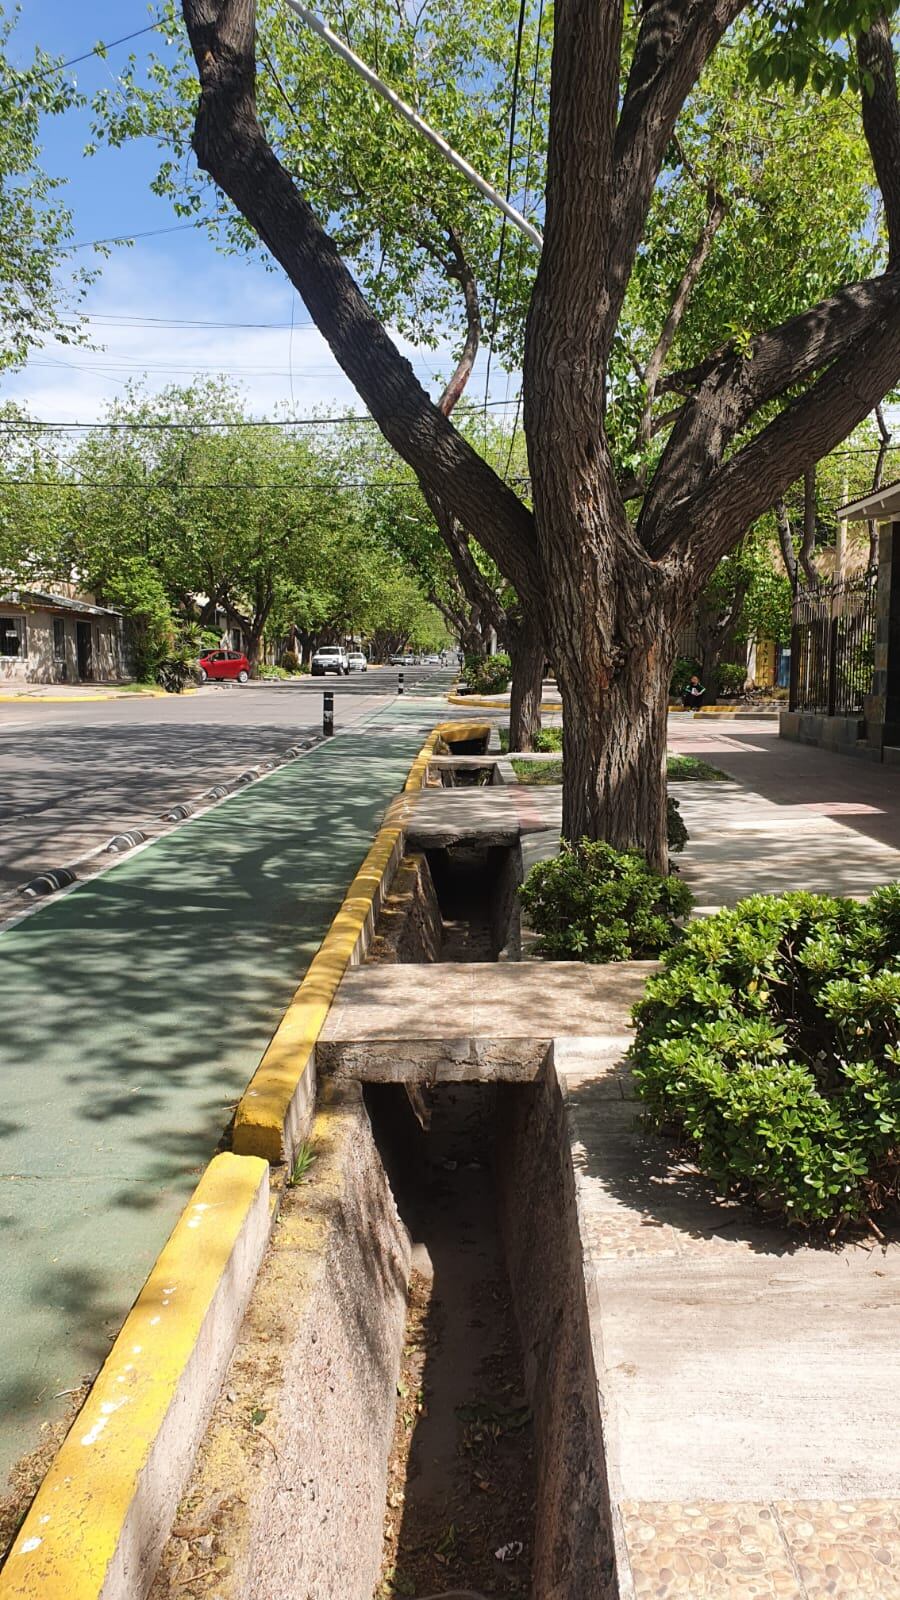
(331, 658)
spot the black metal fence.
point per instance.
(833, 646)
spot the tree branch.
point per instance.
(230, 146)
(786, 542)
(675, 40)
(699, 254)
(704, 525)
(884, 445)
(737, 384)
(808, 542)
(881, 121)
(462, 272)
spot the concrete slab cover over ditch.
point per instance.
(468, 1021)
(134, 1012)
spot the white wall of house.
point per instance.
(49, 654)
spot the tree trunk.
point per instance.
(614, 743)
(527, 653)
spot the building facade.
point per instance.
(58, 638)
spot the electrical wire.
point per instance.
(513, 107)
(314, 485)
(146, 233)
(98, 50)
(24, 424)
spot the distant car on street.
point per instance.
(223, 664)
(331, 658)
(357, 661)
(432, 661)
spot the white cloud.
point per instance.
(278, 370)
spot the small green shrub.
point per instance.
(676, 832)
(290, 660)
(732, 676)
(772, 1042)
(547, 739)
(690, 769)
(487, 674)
(595, 903)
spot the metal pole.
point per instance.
(399, 682)
(328, 713)
(412, 117)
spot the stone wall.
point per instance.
(409, 924)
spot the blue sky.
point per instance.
(172, 276)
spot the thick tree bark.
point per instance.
(614, 744)
(527, 654)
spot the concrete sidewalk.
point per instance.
(134, 1012)
(807, 783)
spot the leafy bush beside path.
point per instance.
(772, 1042)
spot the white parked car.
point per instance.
(331, 658)
(357, 661)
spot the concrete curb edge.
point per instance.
(98, 1523)
(275, 1112)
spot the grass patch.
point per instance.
(546, 739)
(538, 773)
(689, 769)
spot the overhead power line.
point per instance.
(24, 424)
(316, 485)
(99, 50)
(146, 233)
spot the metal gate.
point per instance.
(833, 646)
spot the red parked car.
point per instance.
(224, 664)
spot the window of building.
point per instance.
(59, 638)
(12, 636)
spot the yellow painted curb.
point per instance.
(274, 1113)
(479, 701)
(102, 1514)
(80, 699)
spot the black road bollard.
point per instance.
(399, 682)
(328, 712)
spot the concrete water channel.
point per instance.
(698, 1403)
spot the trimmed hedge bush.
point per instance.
(594, 903)
(487, 674)
(772, 1042)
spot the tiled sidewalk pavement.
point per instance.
(750, 1378)
(750, 1381)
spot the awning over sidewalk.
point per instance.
(37, 600)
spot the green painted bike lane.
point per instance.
(132, 1014)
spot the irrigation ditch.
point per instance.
(412, 1406)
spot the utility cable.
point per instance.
(98, 50)
(513, 107)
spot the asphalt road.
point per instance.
(73, 774)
